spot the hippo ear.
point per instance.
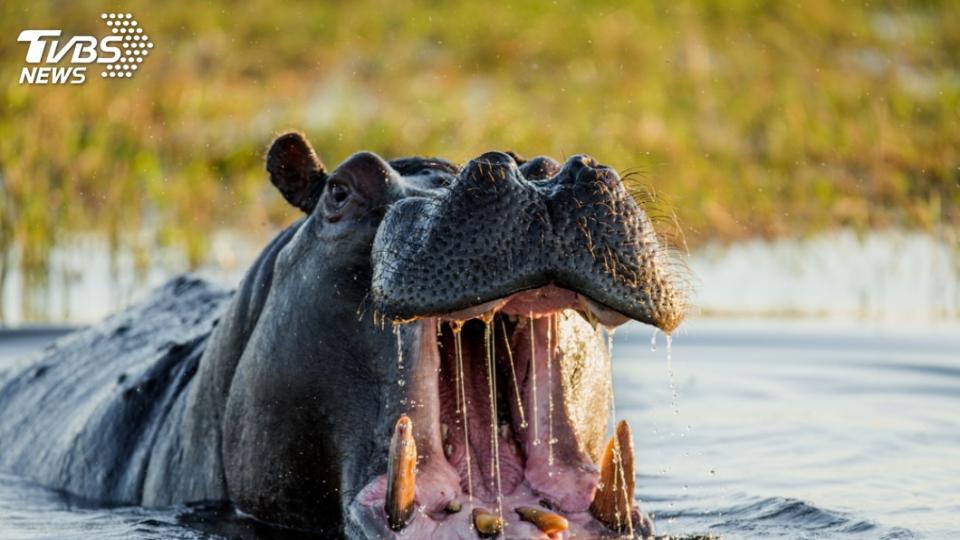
(296, 171)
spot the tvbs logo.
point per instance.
(121, 53)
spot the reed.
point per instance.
(748, 118)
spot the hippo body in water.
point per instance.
(418, 355)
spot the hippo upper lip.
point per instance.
(540, 300)
(493, 233)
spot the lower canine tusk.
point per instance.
(401, 474)
(613, 502)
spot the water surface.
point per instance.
(766, 429)
(893, 276)
(797, 429)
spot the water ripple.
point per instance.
(778, 517)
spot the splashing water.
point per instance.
(613, 401)
(550, 438)
(457, 376)
(533, 382)
(513, 375)
(396, 331)
(674, 396)
(458, 349)
(488, 338)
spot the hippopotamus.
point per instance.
(422, 354)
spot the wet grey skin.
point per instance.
(501, 230)
(281, 397)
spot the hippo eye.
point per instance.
(339, 192)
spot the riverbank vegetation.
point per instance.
(745, 118)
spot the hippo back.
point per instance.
(84, 415)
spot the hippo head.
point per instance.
(445, 325)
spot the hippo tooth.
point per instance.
(453, 507)
(587, 314)
(401, 474)
(448, 450)
(486, 523)
(545, 520)
(613, 503)
(444, 431)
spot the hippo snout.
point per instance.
(584, 169)
(501, 228)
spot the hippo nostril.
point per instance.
(579, 163)
(490, 170)
(583, 169)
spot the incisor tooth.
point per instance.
(613, 502)
(401, 474)
(545, 520)
(486, 523)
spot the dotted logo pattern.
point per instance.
(136, 45)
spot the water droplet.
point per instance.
(458, 350)
(533, 382)
(513, 375)
(489, 345)
(674, 395)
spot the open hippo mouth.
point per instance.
(499, 285)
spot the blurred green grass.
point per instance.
(747, 118)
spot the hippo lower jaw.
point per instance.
(501, 455)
